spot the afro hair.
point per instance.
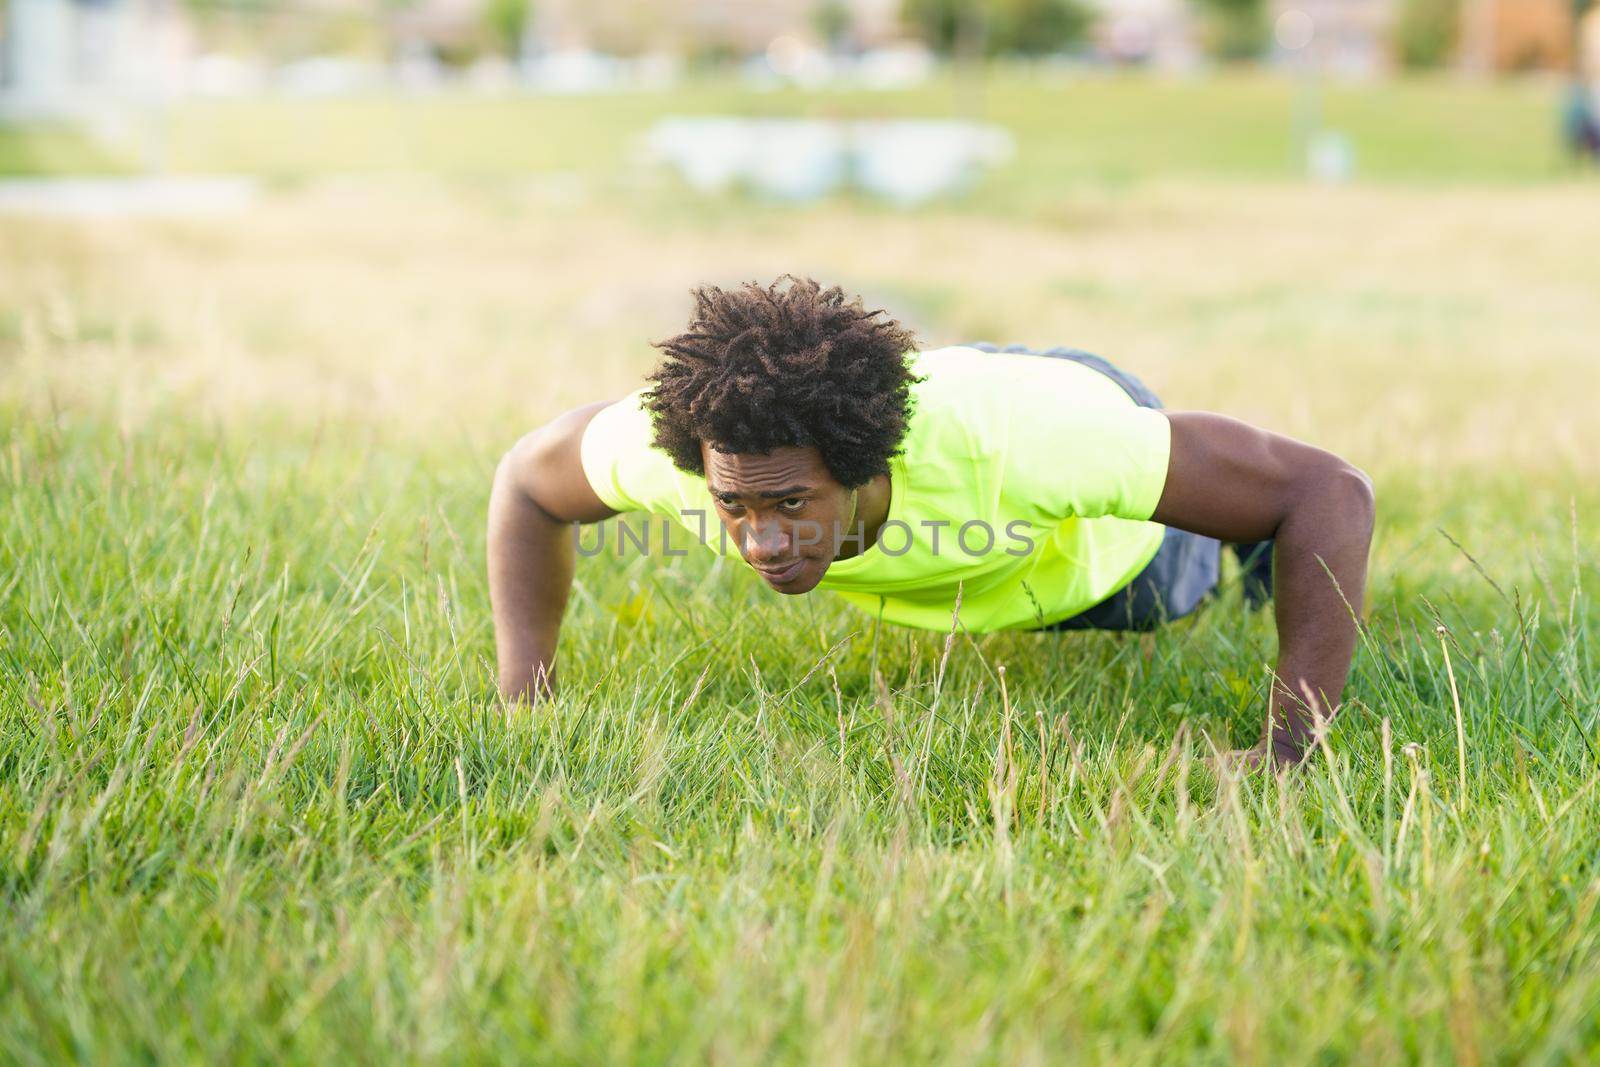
(763, 367)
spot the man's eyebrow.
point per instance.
(770, 494)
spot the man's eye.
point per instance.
(794, 503)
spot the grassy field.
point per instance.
(257, 802)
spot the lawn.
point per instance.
(257, 801)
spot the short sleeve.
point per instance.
(1088, 462)
(623, 468)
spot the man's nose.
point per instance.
(768, 542)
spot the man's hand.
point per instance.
(1234, 482)
(539, 491)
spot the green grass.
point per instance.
(257, 802)
(36, 150)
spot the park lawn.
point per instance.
(46, 149)
(257, 801)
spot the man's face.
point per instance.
(783, 510)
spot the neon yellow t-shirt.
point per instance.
(1027, 480)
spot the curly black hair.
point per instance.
(762, 367)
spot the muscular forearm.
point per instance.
(1320, 575)
(531, 560)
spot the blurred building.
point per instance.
(1495, 36)
(1350, 37)
(1161, 33)
(1513, 35)
(1589, 42)
(437, 24)
(62, 58)
(739, 26)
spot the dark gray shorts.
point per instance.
(1186, 566)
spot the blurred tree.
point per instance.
(1039, 27)
(1236, 30)
(937, 22)
(1012, 27)
(1426, 32)
(833, 23)
(507, 23)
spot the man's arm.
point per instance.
(1234, 482)
(539, 491)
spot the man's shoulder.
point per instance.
(988, 382)
(958, 404)
(947, 375)
(947, 360)
(959, 382)
(626, 469)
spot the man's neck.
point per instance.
(871, 512)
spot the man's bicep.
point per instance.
(546, 466)
(1230, 480)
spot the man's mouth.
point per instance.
(779, 575)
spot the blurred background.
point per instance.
(308, 86)
(1372, 223)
